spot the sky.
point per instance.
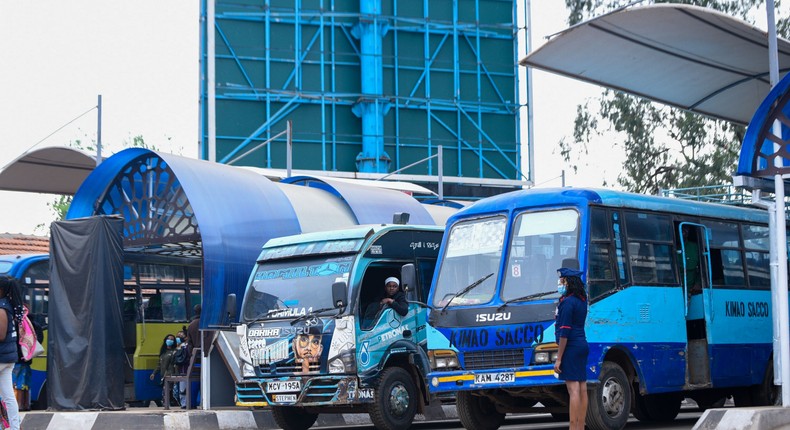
(142, 57)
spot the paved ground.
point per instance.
(179, 419)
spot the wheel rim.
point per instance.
(612, 397)
(399, 400)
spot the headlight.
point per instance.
(343, 348)
(247, 370)
(244, 352)
(545, 353)
(344, 363)
(443, 359)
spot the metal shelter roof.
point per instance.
(685, 56)
(56, 170)
(762, 147)
(191, 208)
(370, 205)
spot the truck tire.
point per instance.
(293, 418)
(395, 400)
(478, 412)
(609, 401)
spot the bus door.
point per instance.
(695, 276)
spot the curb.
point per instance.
(177, 419)
(769, 417)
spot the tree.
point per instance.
(664, 147)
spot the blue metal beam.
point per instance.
(372, 107)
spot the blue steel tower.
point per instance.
(370, 86)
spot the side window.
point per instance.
(372, 291)
(600, 274)
(37, 273)
(425, 269)
(756, 242)
(35, 282)
(725, 255)
(650, 248)
(174, 306)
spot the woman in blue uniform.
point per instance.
(571, 364)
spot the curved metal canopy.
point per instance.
(55, 170)
(763, 146)
(685, 56)
(173, 204)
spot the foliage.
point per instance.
(664, 147)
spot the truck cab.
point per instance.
(313, 338)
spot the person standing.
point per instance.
(194, 341)
(11, 305)
(182, 363)
(167, 362)
(571, 364)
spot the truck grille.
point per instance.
(320, 390)
(250, 392)
(503, 358)
(286, 369)
(316, 391)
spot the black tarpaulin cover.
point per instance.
(85, 355)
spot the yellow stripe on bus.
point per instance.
(522, 374)
(252, 404)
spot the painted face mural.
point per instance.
(307, 349)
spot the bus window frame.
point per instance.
(509, 244)
(629, 238)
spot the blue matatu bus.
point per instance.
(659, 329)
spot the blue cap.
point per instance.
(566, 272)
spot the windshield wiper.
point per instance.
(525, 298)
(310, 314)
(466, 290)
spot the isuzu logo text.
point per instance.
(490, 317)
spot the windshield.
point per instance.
(474, 250)
(539, 244)
(293, 287)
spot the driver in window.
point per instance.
(393, 297)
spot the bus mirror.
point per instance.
(339, 294)
(230, 307)
(400, 218)
(408, 276)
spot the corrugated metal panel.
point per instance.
(316, 209)
(370, 205)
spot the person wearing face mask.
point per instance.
(181, 359)
(571, 364)
(167, 363)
